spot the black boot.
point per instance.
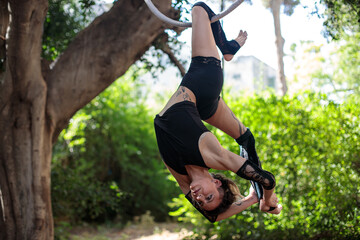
(247, 142)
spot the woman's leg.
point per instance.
(228, 48)
(203, 42)
(225, 120)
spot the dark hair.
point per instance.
(230, 193)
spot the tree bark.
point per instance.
(275, 9)
(35, 107)
(4, 23)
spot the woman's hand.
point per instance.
(252, 195)
(273, 201)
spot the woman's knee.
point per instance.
(209, 13)
(198, 11)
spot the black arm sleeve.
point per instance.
(251, 171)
(211, 218)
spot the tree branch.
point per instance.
(345, 90)
(99, 54)
(162, 44)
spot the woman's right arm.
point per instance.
(239, 206)
(248, 201)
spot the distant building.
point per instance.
(247, 73)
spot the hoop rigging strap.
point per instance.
(173, 22)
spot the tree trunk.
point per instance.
(36, 104)
(275, 9)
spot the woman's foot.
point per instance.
(240, 39)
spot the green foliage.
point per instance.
(80, 197)
(112, 141)
(60, 27)
(64, 20)
(312, 146)
(61, 230)
(341, 70)
(341, 16)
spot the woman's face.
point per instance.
(205, 192)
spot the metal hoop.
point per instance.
(173, 22)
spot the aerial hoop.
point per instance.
(173, 22)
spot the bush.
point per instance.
(111, 141)
(80, 198)
(311, 145)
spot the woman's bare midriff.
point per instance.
(181, 94)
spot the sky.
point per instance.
(259, 24)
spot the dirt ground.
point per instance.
(156, 231)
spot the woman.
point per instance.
(187, 147)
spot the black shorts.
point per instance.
(177, 132)
(205, 79)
